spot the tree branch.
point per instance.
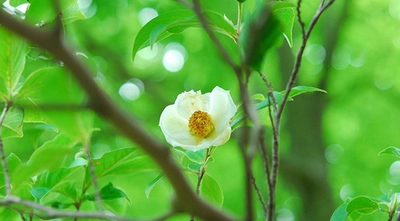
(101, 103)
(2, 155)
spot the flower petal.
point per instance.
(189, 102)
(175, 127)
(222, 108)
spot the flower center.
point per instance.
(200, 124)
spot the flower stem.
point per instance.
(239, 19)
(202, 171)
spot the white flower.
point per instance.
(197, 121)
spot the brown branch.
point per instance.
(101, 103)
(51, 213)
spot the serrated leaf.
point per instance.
(297, 90)
(13, 123)
(363, 205)
(176, 21)
(152, 184)
(13, 50)
(211, 190)
(393, 151)
(42, 12)
(340, 213)
(109, 192)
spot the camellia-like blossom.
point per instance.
(197, 121)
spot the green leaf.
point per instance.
(285, 13)
(363, 205)
(122, 161)
(43, 12)
(196, 156)
(259, 35)
(176, 21)
(13, 50)
(48, 157)
(39, 192)
(195, 167)
(13, 123)
(211, 190)
(297, 90)
(152, 184)
(109, 192)
(15, 3)
(394, 151)
(39, 90)
(240, 116)
(65, 181)
(340, 213)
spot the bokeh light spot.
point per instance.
(146, 14)
(315, 54)
(174, 57)
(131, 90)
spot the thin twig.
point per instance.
(93, 177)
(306, 34)
(51, 213)
(3, 156)
(278, 113)
(259, 195)
(101, 103)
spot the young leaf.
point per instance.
(176, 21)
(211, 190)
(363, 205)
(285, 13)
(122, 161)
(152, 184)
(13, 123)
(340, 213)
(64, 181)
(39, 192)
(196, 156)
(297, 90)
(109, 192)
(53, 86)
(13, 50)
(394, 151)
(48, 157)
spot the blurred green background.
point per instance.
(330, 142)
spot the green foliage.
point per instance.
(173, 22)
(263, 30)
(43, 12)
(211, 190)
(393, 151)
(13, 51)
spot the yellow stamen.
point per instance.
(200, 124)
